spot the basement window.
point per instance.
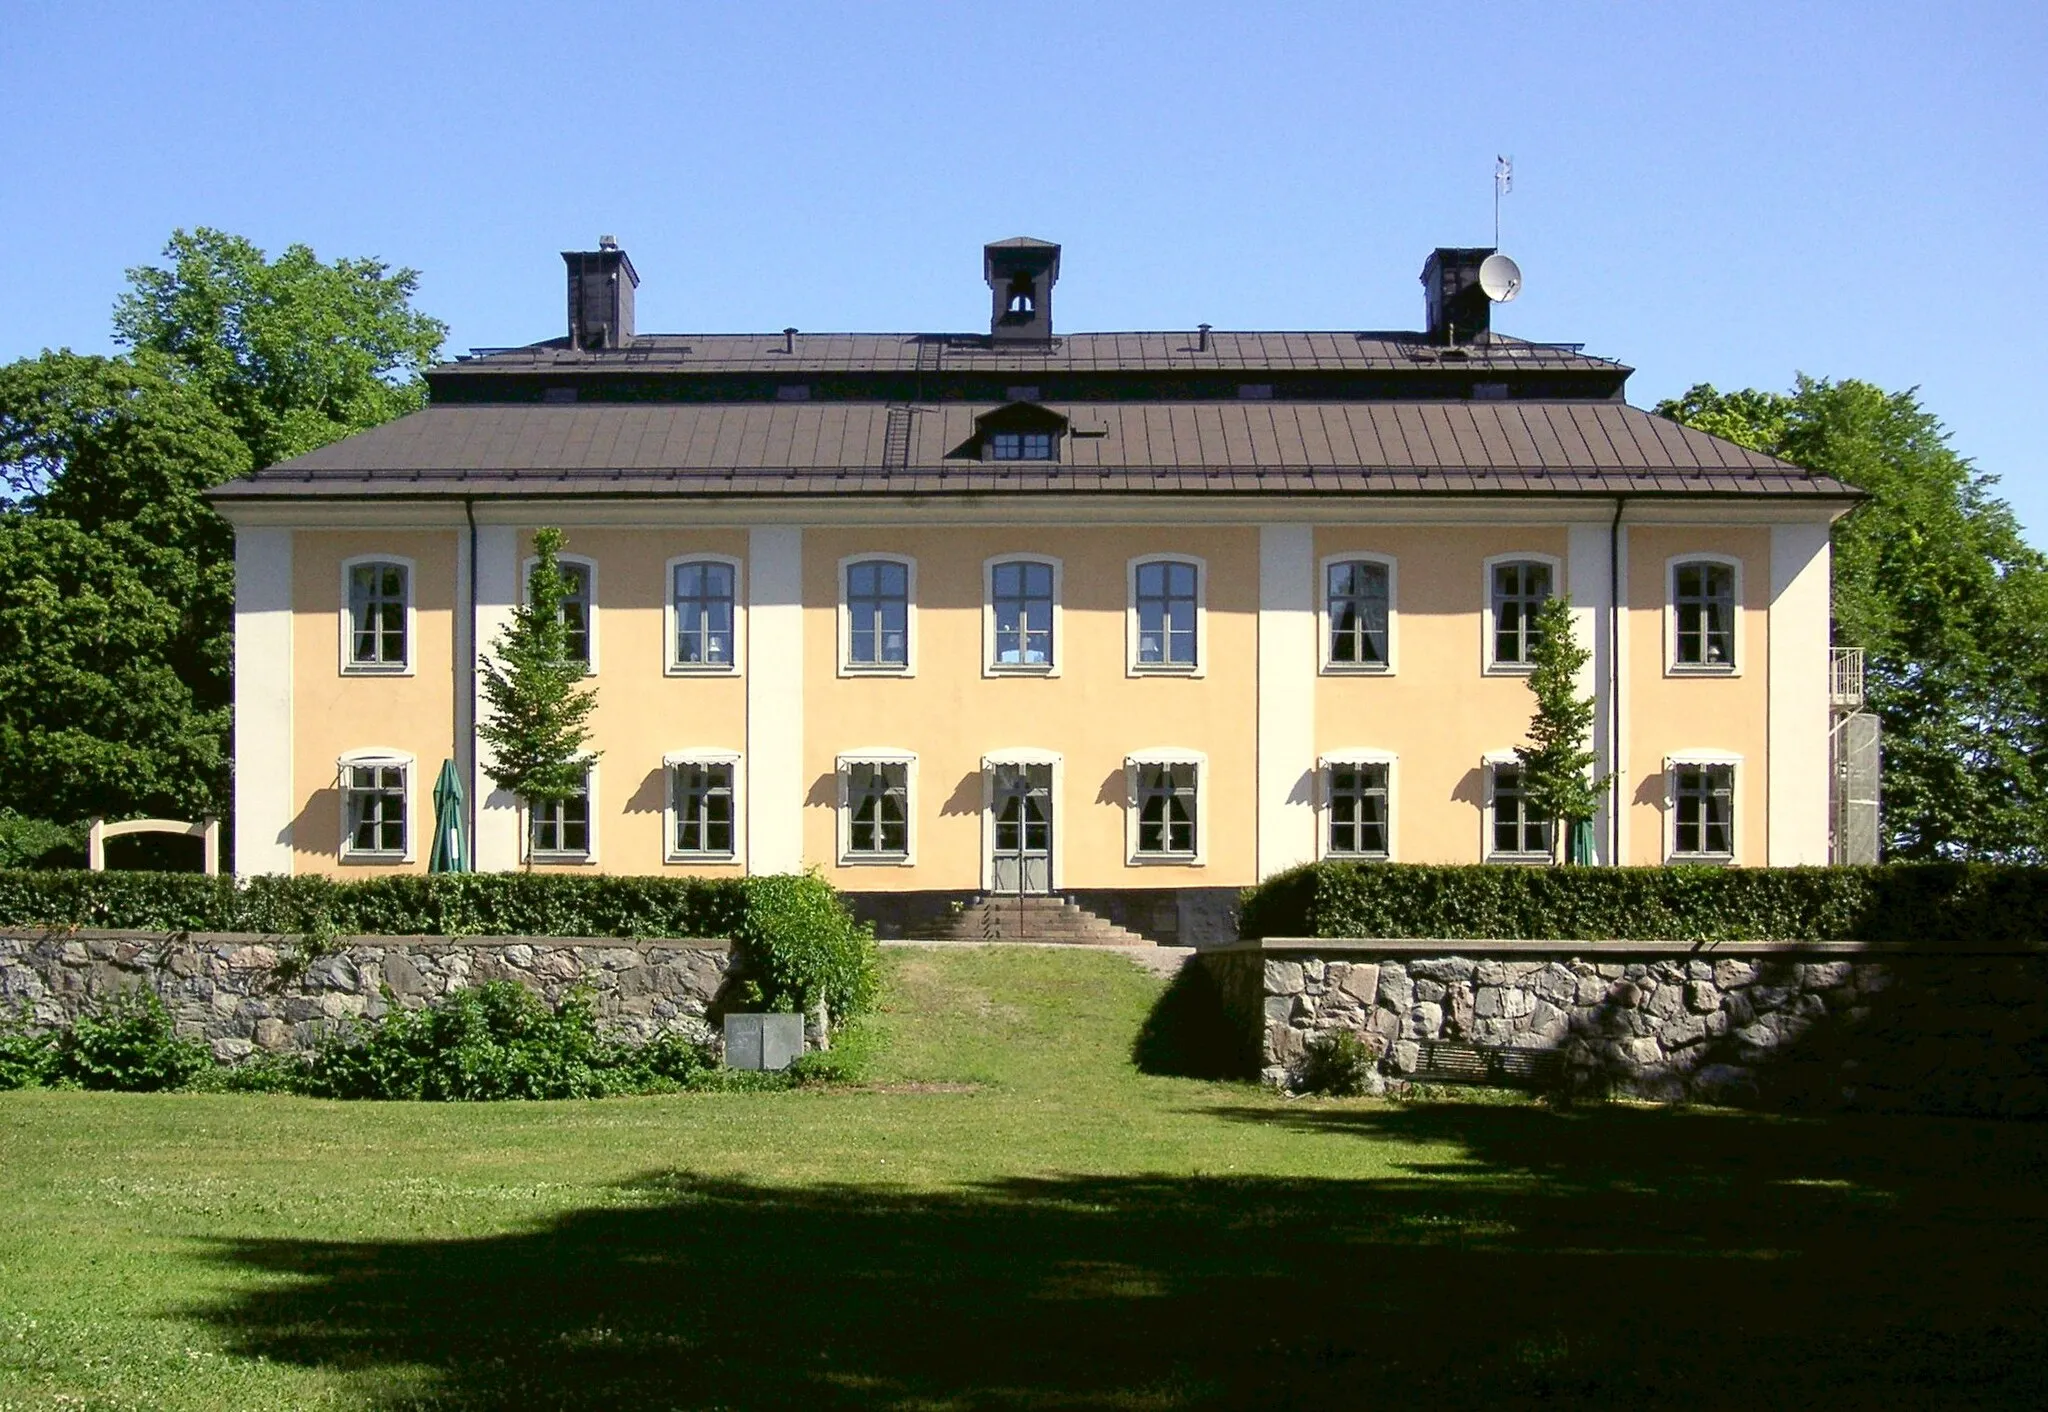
(558, 394)
(793, 392)
(1489, 391)
(1255, 391)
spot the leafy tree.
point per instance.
(1557, 762)
(538, 701)
(1935, 583)
(116, 575)
(296, 353)
(116, 590)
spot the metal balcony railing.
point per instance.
(1845, 677)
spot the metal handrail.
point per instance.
(1845, 677)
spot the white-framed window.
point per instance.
(1356, 789)
(376, 806)
(1703, 615)
(377, 618)
(1517, 586)
(703, 815)
(701, 615)
(1023, 446)
(1513, 833)
(876, 799)
(1700, 790)
(1021, 616)
(1167, 624)
(1168, 810)
(1356, 613)
(878, 615)
(579, 604)
(565, 830)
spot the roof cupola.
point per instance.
(1021, 273)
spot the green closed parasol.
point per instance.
(451, 826)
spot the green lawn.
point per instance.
(1011, 1216)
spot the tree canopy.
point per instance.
(116, 575)
(296, 353)
(1934, 581)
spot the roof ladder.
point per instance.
(896, 438)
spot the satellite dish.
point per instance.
(1500, 277)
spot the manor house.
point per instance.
(1121, 621)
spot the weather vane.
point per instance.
(1503, 183)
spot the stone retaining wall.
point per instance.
(240, 993)
(1822, 1024)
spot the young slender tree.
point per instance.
(1557, 763)
(539, 703)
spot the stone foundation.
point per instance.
(242, 993)
(1822, 1024)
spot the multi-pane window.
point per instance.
(1703, 595)
(1516, 830)
(1167, 806)
(877, 613)
(1519, 592)
(576, 609)
(702, 596)
(561, 826)
(701, 792)
(376, 610)
(1020, 446)
(1703, 811)
(1357, 606)
(374, 798)
(1021, 594)
(877, 809)
(1166, 602)
(1357, 812)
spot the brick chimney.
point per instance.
(601, 285)
(1457, 308)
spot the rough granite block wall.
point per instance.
(241, 993)
(1817, 1025)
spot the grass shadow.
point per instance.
(1187, 1033)
(1603, 1257)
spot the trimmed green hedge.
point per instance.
(794, 931)
(1924, 902)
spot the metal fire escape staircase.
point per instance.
(1855, 756)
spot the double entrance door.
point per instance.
(1021, 823)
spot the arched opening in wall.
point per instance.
(155, 853)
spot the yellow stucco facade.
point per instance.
(1261, 712)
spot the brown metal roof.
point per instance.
(1081, 352)
(816, 448)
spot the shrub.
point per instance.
(127, 1043)
(1339, 1064)
(34, 843)
(802, 946)
(494, 1041)
(1922, 902)
(26, 1053)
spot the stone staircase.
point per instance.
(1011, 918)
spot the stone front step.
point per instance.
(1042, 919)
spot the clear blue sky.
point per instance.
(1726, 193)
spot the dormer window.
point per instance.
(1020, 446)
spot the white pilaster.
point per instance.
(1796, 830)
(465, 673)
(497, 593)
(1590, 582)
(775, 700)
(263, 701)
(1287, 698)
